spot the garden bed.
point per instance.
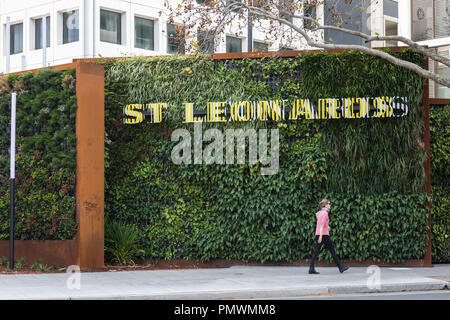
(196, 264)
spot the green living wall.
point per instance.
(370, 169)
(440, 182)
(45, 155)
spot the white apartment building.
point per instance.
(428, 23)
(369, 17)
(102, 28)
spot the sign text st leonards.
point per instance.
(275, 110)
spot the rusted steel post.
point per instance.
(427, 164)
(90, 132)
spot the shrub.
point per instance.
(120, 242)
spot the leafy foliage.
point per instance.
(371, 169)
(45, 159)
(440, 177)
(120, 241)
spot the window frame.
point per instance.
(65, 30)
(153, 40)
(11, 39)
(209, 37)
(228, 37)
(119, 35)
(36, 29)
(261, 43)
(308, 24)
(182, 44)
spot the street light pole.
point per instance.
(13, 176)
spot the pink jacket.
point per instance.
(322, 221)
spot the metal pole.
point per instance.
(8, 44)
(44, 41)
(13, 176)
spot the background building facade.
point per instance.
(428, 23)
(107, 28)
(369, 17)
(113, 28)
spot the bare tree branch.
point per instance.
(274, 16)
(413, 45)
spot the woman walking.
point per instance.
(323, 236)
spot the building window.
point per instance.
(16, 38)
(430, 19)
(236, 7)
(206, 2)
(110, 27)
(310, 12)
(259, 3)
(441, 18)
(144, 33)
(288, 7)
(260, 46)
(38, 33)
(234, 44)
(175, 42)
(444, 71)
(205, 41)
(70, 26)
(390, 29)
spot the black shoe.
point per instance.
(343, 268)
(313, 272)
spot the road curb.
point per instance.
(273, 294)
(398, 287)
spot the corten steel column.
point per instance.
(90, 132)
(427, 164)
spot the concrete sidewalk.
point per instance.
(238, 282)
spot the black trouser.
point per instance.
(329, 245)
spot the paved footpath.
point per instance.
(239, 282)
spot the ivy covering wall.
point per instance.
(45, 155)
(370, 169)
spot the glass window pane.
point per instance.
(234, 44)
(38, 33)
(260, 46)
(174, 44)
(16, 40)
(110, 27)
(144, 34)
(444, 71)
(422, 20)
(207, 2)
(206, 42)
(289, 7)
(390, 29)
(442, 18)
(310, 11)
(260, 4)
(236, 8)
(70, 26)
